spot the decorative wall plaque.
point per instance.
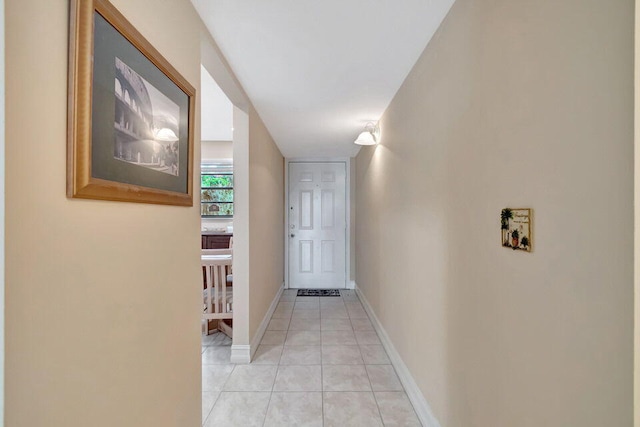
(516, 229)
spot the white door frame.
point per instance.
(347, 251)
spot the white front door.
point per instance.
(317, 225)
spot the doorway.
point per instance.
(317, 224)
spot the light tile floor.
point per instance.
(320, 363)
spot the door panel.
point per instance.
(306, 256)
(317, 225)
(328, 209)
(306, 210)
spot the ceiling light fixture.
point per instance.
(370, 135)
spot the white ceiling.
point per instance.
(317, 71)
(217, 110)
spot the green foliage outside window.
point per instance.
(216, 181)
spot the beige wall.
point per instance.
(352, 219)
(216, 150)
(266, 220)
(636, 352)
(102, 326)
(513, 104)
(241, 227)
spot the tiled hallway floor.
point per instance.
(320, 363)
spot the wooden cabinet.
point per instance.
(215, 241)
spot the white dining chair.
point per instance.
(217, 293)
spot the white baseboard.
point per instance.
(265, 322)
(420, 404)
(240, 354)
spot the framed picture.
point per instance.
(131, 114)
(516, 229)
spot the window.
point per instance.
(216, 193)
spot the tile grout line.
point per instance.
(266, 412)
(211, 410)
(274, 379)
(219, 394)
(375, 399)
(373, 393)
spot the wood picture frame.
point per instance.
(130, 113)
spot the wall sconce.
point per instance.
(370, 135)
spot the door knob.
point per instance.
(293, 235)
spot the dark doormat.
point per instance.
(318, 292)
